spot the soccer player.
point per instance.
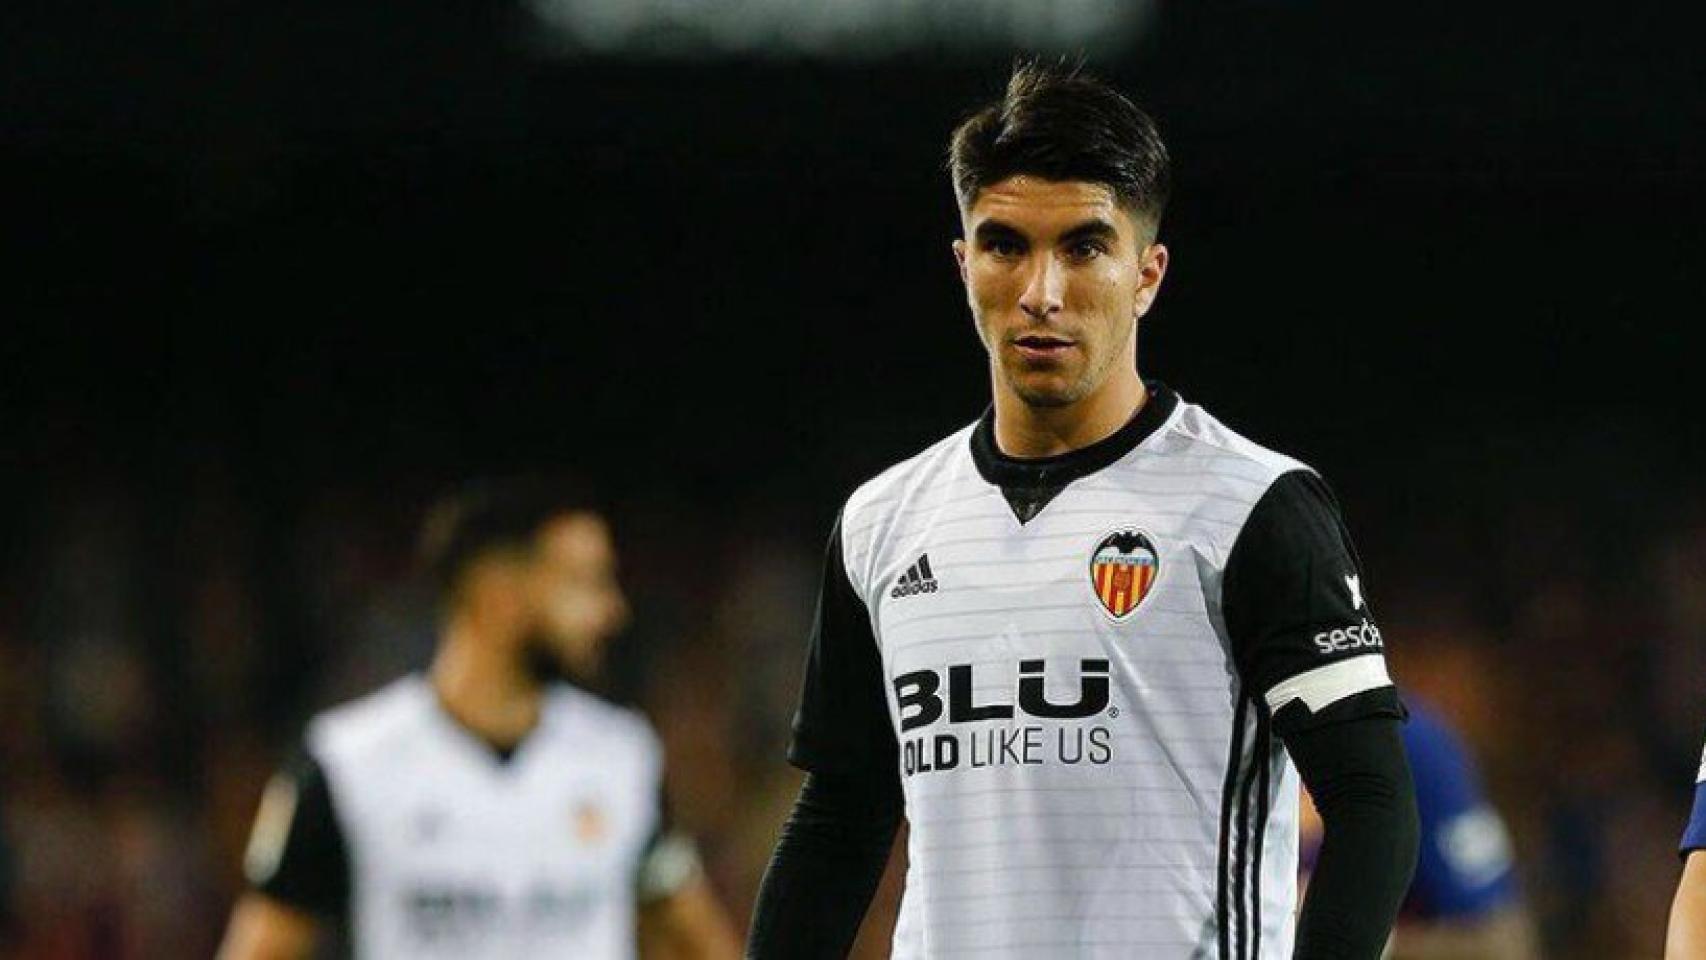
(1686, 939)
(485, 810)
(1082, 642)
(1464, 903)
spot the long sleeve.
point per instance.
(825, 867)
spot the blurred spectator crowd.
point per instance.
(160, 651)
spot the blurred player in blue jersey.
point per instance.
(1464, 903)
(1687, 937)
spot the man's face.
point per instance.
(576, 602)
(1057, 274)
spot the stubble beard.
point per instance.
(1056, 397)
(543, 663)
(1049, 399)
(1012, 372)
(548, 661)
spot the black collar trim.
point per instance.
(1038, 472)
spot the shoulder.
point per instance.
(1214, 476)
(370, 725)
(582, 720)
(930, 476)
(1199, 442)
(893, 488)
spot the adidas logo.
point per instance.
(917, 579)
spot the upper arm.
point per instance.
(669, 864)
(265, 929)
(1302, 633)
(842, 724)
(297, 855)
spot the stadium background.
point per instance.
(285, 271)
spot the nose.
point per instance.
(1044, 290)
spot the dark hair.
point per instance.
(493, 515)
(1059, 123)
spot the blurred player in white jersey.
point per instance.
(486, 809)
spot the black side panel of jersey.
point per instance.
(1293, 575)
(313, 871)
(843, 722)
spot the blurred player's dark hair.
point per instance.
(488, 516)
(1059, 123)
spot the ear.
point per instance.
(960, 257)
(1151, 270)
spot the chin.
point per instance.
(1047, 392)
(1045, 399)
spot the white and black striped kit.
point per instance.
(1084, 779)
(430, 844)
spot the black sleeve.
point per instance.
(297, 853)
(1292, 597)
(827, 863)
(843, 721)
(1357, 773)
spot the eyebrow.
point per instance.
(1097, 229)
(1092, 229)
(995, 230)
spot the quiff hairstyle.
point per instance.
(1059, 123)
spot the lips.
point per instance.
(1042, 346)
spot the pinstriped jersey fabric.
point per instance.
(1083, 776)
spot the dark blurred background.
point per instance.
(281, 273)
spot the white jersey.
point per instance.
(442, 847)
(1086, 747)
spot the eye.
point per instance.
(1004, 246)
(1087, 249)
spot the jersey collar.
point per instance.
(1045, 472)
(502, 753)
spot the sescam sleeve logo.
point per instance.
(1364, 635)
(1123, 568)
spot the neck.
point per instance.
(484, 687)
(1026, 431)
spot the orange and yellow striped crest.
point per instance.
(1122, 569)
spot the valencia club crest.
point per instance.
(590, 823)
(1122, 569)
